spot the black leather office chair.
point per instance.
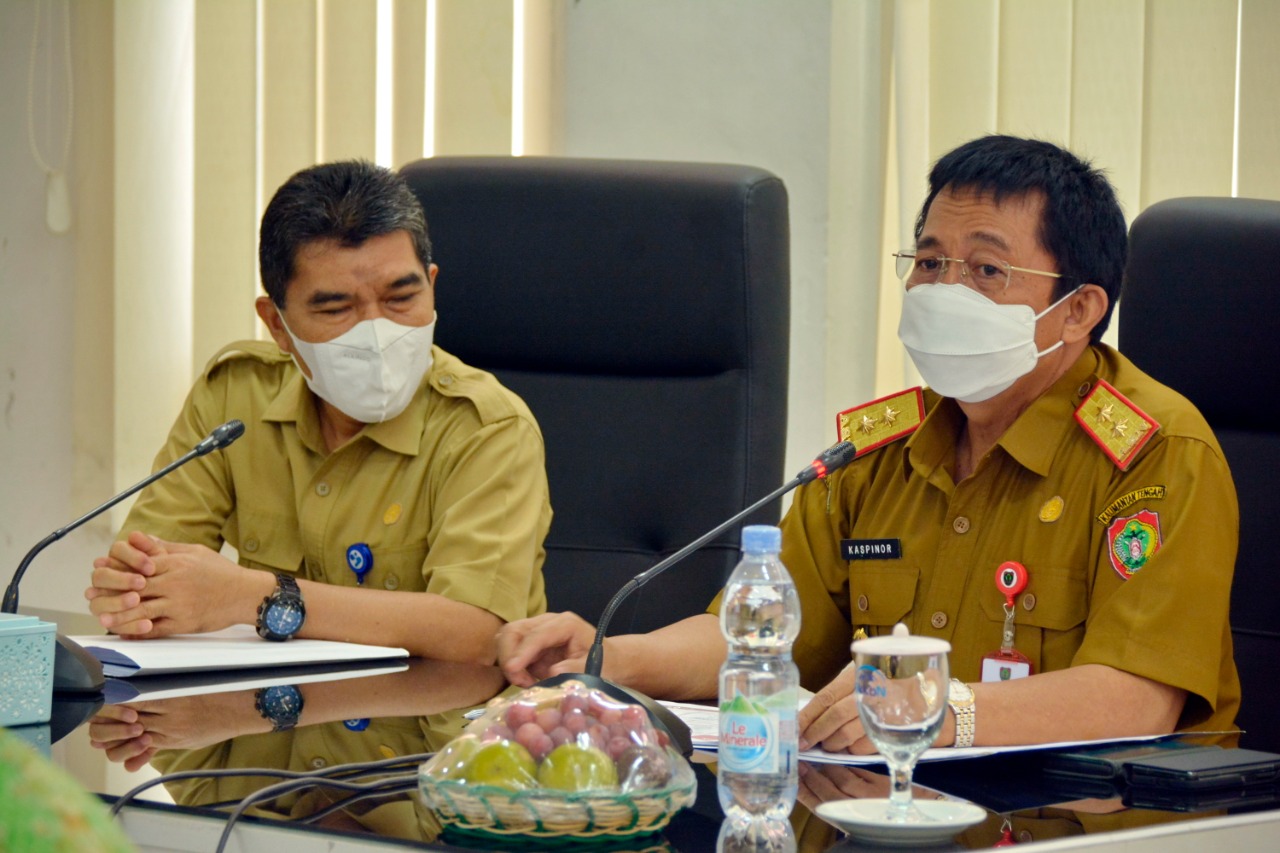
(641, 310)
(1201, 313)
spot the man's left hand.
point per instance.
(830, 720)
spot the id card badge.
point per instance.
(1008, 663)
(1005, 666)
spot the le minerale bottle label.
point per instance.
(759, 736)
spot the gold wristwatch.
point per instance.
(960, 698)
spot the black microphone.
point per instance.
(218, 439)
(74, 669)
(829, 460)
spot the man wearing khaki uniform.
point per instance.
(383, 493)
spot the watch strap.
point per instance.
(286, 590)
(960, 700)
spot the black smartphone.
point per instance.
(1204, 770)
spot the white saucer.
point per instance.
(865, 819)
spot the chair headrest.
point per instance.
(601, 266)
(1200, 305)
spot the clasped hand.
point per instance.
(132, 734)
(146, 587)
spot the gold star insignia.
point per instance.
(881, 421)
(1119, 427)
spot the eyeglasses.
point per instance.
(986, 274)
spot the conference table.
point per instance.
(377, 715)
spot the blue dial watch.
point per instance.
(281, 614)
(280, 705)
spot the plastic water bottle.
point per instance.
(759, 686)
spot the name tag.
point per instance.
(871, 549)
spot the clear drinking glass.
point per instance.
(901, 690)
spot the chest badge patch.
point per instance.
(1052, 509)
(871, 549)
(1132, 541)
(392, 515)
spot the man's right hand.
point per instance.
(539, 647)
(146, 587)
(119, 580)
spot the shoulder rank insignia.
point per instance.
(881, 421)
(1118, 426)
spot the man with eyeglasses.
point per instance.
(1067, 523)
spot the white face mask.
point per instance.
(966, 346)
(371, 371)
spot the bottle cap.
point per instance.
(761, 539)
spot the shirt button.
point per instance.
(392, 582)
(1029, 601)
(862, 603)
(960, 525)
(446, 380)
(251, 545)
(322, 489)
(319, 763)
(938, 620)
(1025, 835)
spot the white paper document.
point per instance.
(231, 648)
(150, 688)
(704, 728)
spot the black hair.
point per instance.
(1082, 225)
(348, 201)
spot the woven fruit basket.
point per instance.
(553, 814)
(559, 762)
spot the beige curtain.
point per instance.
(212, 105)
(1171, 97)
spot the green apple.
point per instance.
(502, 764)
(570, 767)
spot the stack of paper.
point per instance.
(236, 647)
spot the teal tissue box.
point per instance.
(26, 670)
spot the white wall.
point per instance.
(36, 331)
(733, 81)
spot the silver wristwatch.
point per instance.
(960, 699)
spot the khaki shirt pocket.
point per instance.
(880, 598)
(270, 546)
(394, 568)
(1049, 617)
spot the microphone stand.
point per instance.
(834, 457)
(74, 669)
(595, 657)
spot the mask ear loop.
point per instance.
(1064, 298)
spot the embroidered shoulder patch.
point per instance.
(1132, 541)
(1118, 426)
(1146, 493)
(881, 421)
